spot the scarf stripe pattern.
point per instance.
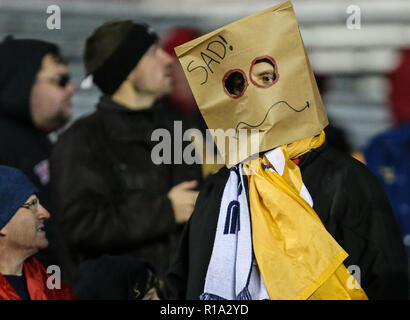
(232, 272)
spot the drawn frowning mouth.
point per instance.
(247, 125)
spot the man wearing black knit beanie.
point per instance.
(109, 196)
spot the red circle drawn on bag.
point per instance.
(275, 70)
(227, 75)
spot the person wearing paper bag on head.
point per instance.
(296, 218)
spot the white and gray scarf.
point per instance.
(232, 272)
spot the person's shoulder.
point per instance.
(77, 136)
(6, 128)
(338, 158)
(84, 125)
(219, 177)
(212, 187)
(17, 136)
(343, 165)
(5, 123)
(393, 135)
(11, 126)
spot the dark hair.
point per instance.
(103, 43)
(57, 57)
(265, 60)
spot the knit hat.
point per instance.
(113, 50)
(15, 189)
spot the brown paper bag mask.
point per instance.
(254, 76)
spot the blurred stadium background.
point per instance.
(353, 64)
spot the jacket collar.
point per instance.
(36, 279)
(124, 124)
(307, 158)
(222, 175)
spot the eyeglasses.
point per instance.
(32, 205)
(62, 80)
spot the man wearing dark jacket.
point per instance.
(295, 219)
(351, 204)
(110, 197)
(35, 94)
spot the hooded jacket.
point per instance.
(22, 145)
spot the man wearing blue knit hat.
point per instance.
(22, 277)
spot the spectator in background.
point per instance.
(399, 94)
(129, 279)
(181, 100)
(110, 197)
(180, 104)
(388, 154)
(22, 217)
(335, 136)
(35, 99)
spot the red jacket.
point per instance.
(36, 277)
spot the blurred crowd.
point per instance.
(93, 203)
